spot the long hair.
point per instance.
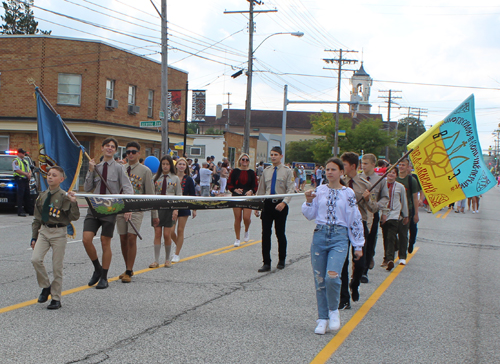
(160, 171)
(339, 164)
(182, 159)
(241, 156)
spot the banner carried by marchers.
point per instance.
(448, 159)
(101, 207)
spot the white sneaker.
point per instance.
(334, 320)
(175, 258)
(237, 242)
(247, 236)
(402, 261)
(473, 211)
(321, 327)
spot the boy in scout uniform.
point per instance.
(54, 210)
(276, 179)
(117, 180)
(141, 179)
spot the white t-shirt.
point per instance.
(205, 176)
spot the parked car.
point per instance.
(8, 184)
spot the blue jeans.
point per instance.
(328, 252)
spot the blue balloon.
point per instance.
(152, 163)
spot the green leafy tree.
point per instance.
(213, 131)
(368, 136)
(416, 127)
(19, 18)
(300, 151)
(192, 128)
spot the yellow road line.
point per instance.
(83, 288)
(446, 214)
(239, 247)
(438, 216)
(346, 330)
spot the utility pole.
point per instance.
(164, 79)
(340, 62)
(421, 112)
(228, 110)
(248, 102)
(389, 101)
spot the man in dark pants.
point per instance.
(276, 179)
(360, 187)
(22, 174)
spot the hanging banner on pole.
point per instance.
(174, 105)
(199, 103)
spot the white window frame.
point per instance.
(151, 96)
(132, 92)
(110, 89)
(62, 94)
(193, 150)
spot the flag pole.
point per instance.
(77, 142)
(390, 169)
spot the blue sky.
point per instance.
(431, 42)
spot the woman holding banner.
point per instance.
(166, 183)
(187, 185)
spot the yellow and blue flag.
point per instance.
(448, 159)
(55, 146)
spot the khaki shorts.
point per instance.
(123, 227)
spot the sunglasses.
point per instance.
(245, 160)
(132, 151)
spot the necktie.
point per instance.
(273, 181)
(164, 185)
(368, 178)
(46, 208)
(102, 190)
(128, 170)
(351, 183)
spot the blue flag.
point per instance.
(56, 147)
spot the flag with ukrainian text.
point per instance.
(55, 146)
(448, 159)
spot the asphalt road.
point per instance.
(213, 306)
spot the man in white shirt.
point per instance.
(205, 179)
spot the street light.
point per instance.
(248, 102)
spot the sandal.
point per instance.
(154, 265)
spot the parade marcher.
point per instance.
(141, 179)
(54, 210)
(242, 182)
(338, 221)
(115, 177)
(360, 187)
(380, 195)
(276, 179)
(187, 186)
(412, 187)
(166, 183)
(393, 216)
(22, 175)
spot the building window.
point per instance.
(131, 94)
(110, 89)
(195, 151)
(231, 155)
(156, 153)
(147, 152)
(69, 89)
(150, 103)
(4, 142)
(119, 152)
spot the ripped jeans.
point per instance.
(328, 252)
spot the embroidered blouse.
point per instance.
(337, 207)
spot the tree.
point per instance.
(213, 131)
(192, 128)
(300, 151)
(19, 18)
(368, 136)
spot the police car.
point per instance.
(8, 184)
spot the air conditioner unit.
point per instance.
(111, 104)
(133, 109)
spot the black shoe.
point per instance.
(22, 214)
(354, 292)
(372, 264)
(281, 264)
(344, 306)
(364, 278)
(410, 248)
(54, 305)
(103, 284)
(44, 296)
(95, 278)
(264, 268)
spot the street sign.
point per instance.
(162, 115)
(149, 124)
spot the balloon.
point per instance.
(152, 163)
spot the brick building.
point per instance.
(98, 89)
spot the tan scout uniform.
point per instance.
(379, 194)
(52, 234)
(141, 179)
(360, 185)
(284, 182)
